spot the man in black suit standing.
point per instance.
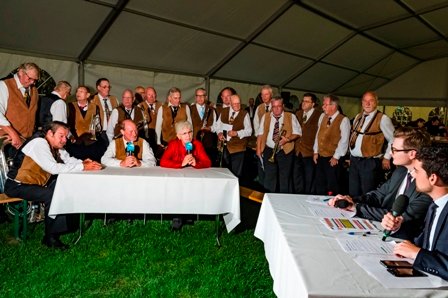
(375, 204)
(430, 250)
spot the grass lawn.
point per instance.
(136, 260)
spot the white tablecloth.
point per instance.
(149, 190)
(305, 259)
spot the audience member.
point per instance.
(53, 107)
(275, 145)
(435, 127)
(33, 175)
(330, 146)
(224, 99)
(304, 168)
(430, 248)
(375, 204)
(368, 159)
(233, 127)
(151, 107)
(139, 95)
(129, 150)
(18, 105)
(106, 102)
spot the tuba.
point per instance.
(277, 144)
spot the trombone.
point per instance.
(277, 145)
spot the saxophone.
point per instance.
(277, 145)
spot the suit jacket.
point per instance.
(375, 204)
(434, 261)
(176, 152)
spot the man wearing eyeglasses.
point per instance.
(18, 104)
(367, 159)
(375, 204)
(106, 102)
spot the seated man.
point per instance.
(118, 153)
(33, 175)
(430, 250)
(376, 203)
(178, 155)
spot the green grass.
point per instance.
(136, 260)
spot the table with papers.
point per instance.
(306, 259)
(155, 190)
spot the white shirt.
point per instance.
(113, 120)
(159, 121)
(296, 128)
(245, 132)
(342, 147)
(440, 202)
(386, 127)
(39, 150)
(109, 160)
(58, 109)
(257, 120)
(4, 95)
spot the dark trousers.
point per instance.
(304, 170)
(364, 175)
(41, 194)
(327, 177)
(234, 162)
(277, 174)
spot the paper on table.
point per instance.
(365, 245)
(348, 224)
(227, 127)
(318, 200)
(327, 211)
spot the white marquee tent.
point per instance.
(399, 48)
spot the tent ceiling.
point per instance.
(344, 46)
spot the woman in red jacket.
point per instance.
(184, 151)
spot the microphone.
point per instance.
(342, 204)
(189, 147)
(130, 148)
(399, 206)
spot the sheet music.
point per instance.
(371, 244)
(327, 211)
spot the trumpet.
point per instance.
(277, 145)
(145, 121)
(94, 126)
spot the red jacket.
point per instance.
(176, 152)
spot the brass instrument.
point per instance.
(277, 144)
(221, 146)
(145, 122)
(94, 126)
(204, 123)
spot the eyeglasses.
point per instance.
(307, 101)
(200, 95)
(29, 77)
(186, 133)
(400, 150)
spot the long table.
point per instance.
(155, 190)
(305, 259)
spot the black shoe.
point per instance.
(54, 242)
(176, 224)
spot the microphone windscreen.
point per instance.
(130, 147)
(342, 204)
(400, 205)
(189, 146)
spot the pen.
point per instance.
(326, 200)
(360, 233)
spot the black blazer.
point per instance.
(436, 260)
(375, 204)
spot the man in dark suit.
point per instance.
(375, 204)
(430, 250)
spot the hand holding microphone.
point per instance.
(189, 159)
(394, 217)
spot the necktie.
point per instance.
(202, 112)
(267, 109)
(304, 117)
(106, 109)
(356, 131)
(329, 122)
(408, 182)
(27, 97)
(232, 118)
(428, 224)
(275, 133)
(128, 114)
(151, 108)
(174, 112)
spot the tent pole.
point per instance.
(207, 86)
(81, 73)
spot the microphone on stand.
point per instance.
(189, 147)
(130, 148)
(399, 206)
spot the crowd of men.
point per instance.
(302, 152)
